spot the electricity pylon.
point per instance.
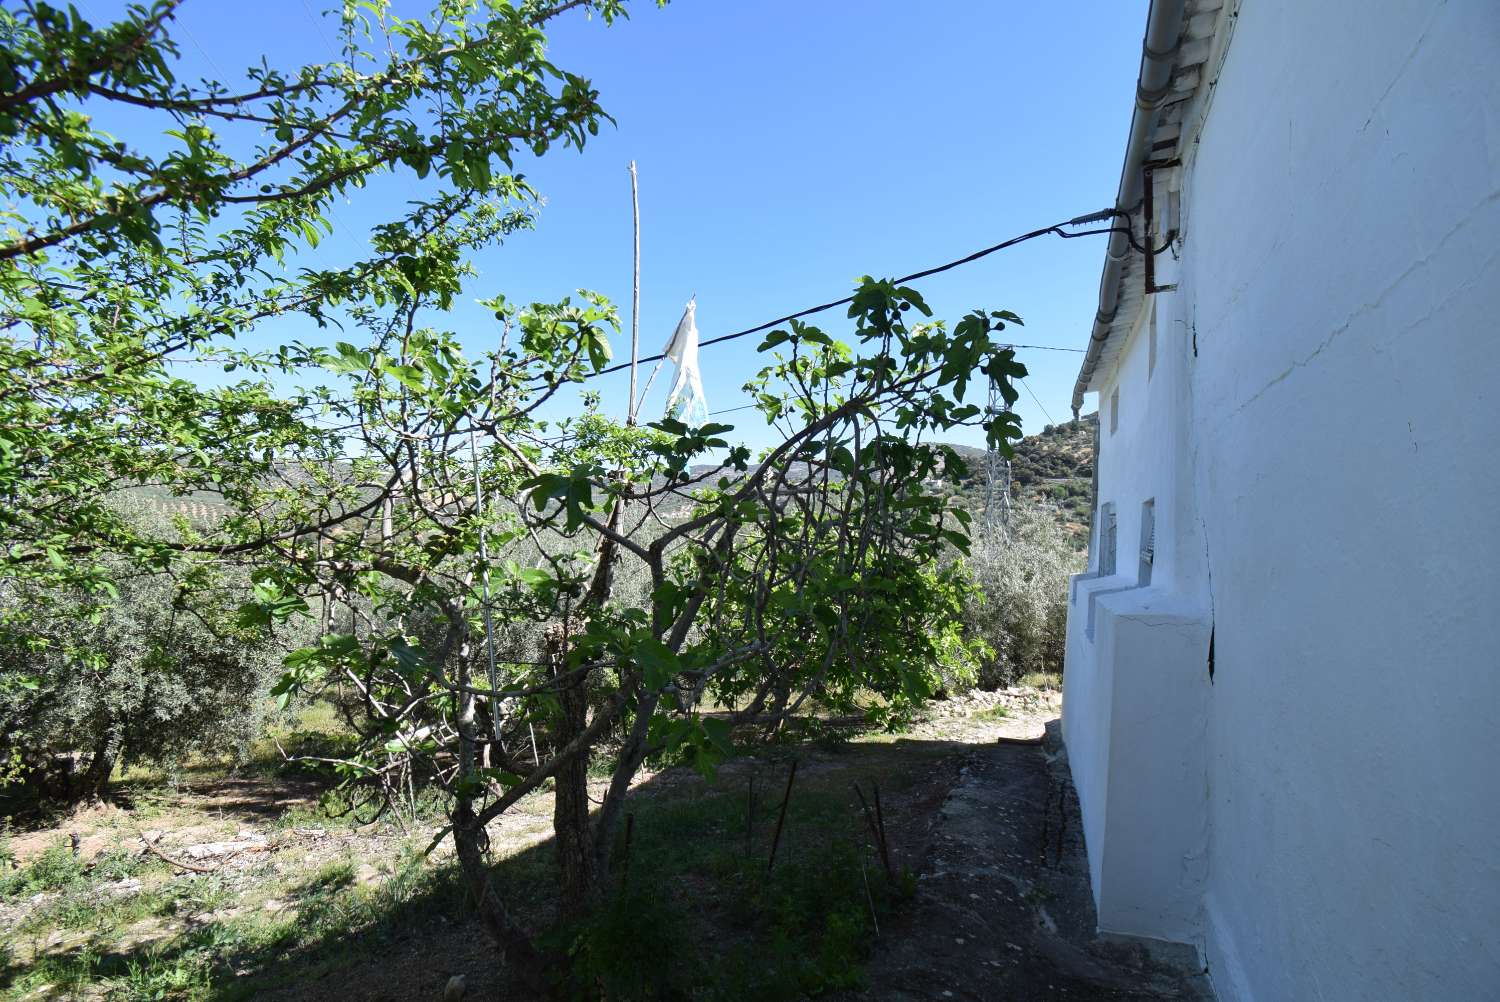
(996, 471)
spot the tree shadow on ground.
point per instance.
(702, 913)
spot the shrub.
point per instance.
(144, 672)
(1023, 577)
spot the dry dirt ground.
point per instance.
(304, 909)
(1003, 909)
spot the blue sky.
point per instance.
(787, 146)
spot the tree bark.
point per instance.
(570, 803)
(471, 841)
(573, 833)
(517, 952)
(95, 779)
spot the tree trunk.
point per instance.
(94, 780)
(570, 803)
(517, 952)
(471, 842)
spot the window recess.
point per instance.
(1148, 542)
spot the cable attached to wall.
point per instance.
(1056, 229)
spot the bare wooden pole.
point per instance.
(635, 294)
(484, 584)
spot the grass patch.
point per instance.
(1042, 680)
(53, 869)
(337, 922)
(698, 914)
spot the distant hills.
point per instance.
(1053, 469)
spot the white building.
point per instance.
(1282, 706)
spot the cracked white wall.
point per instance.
(1329, 467)
(1136, 683)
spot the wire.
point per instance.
(1038, 401)
(745, 407)
(1055, 229)
(731, 410)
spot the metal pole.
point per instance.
(996, 471)
(781, 817)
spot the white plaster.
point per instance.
(1154, 845)
(1325, 480)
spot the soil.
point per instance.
(990, 826)
(1004, 910)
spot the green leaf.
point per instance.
(658, 663)
(408, 375)
(772, 340)
(411, 657)
(720, 733)
(597, 346)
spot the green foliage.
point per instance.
(636, 947)
(1022, 577)
(123, 259)
(815, 924)
(149, 671)
(55, 868)
(814, 574)
(160, 976)
(811, 574)
(802, 930)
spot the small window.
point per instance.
(1107, 539)
(1114, 411)
(1148, 542)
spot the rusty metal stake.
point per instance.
(885, 849)
(750, 819)
(874, 920)
(629, 835)
(781, 817)
(875, 832)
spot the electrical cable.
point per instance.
(745, 407)
(1055, 229)
(731, 410)
(1038, 400)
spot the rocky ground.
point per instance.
(1003, 909)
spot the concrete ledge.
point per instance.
(1152, 856)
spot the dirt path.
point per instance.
(1003, 909)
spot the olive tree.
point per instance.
(155, 669)
(1021, 573)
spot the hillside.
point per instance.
(1053, 469)
(1056, 468)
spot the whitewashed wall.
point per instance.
(1136, 682)
(1332, 457)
